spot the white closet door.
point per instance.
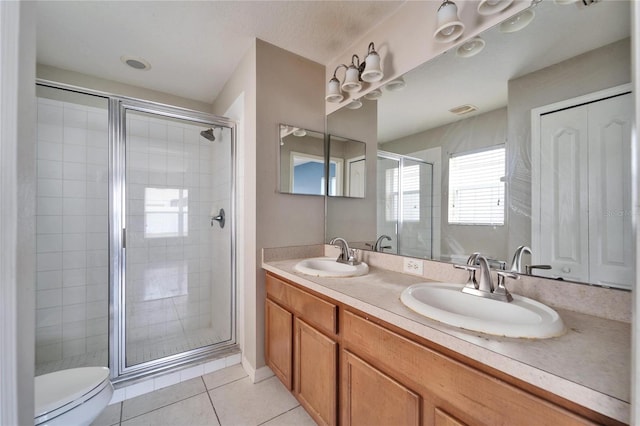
(611, 252)
(564, 194)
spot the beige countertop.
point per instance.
(589, 365)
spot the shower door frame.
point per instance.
(117, 107)
(400, 158)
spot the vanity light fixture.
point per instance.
(470, 47)
(354, 104)
(396, 85)
(490, 7)
(518, 22)
(299, 132)
(369, 71)
(449, 27)
(373, 95)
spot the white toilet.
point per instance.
(72, 397)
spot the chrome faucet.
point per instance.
(484, 286)
(516, 263)
(347, 255)
(378, 246)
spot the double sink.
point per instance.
(446, 303)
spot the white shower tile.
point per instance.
(49, 114)
(97, 343)
(74, 171)
(48, 316)
(75, 116)
(74, 189)
(50, 133)
(73, 242)
(138, 389)
(97, 119)
(74, 295)
(74, 153)
(98, 275)
(48, 169)
(97, 326)
(73, 224)
(99, 224)
(48, 298)
(97, 258)
(138, 127)
(99, 138)
(46, 280)
(97, 190)
(49, 334)
(74, 347)
(97, 240)
(49, 151)
(49, 206)
(75, 136)
(48, 261)
(175, 133)
(74, 330)
(74, 207)
(49, 188)
(48, 243)
(97, 310)
(97, 293)
(98, 156)
(46, 353)
(74, 260)
(191, 372)
(98, 207)
(74, 313)
(74, 277)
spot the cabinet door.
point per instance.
(442, 418)
(278, 341)
(370, 397)
(316, 358)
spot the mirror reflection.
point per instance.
(302, 161)
(347, 171)
(469, 118)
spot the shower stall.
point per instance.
(405, 204)
(135, 233)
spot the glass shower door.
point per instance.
(178, 282)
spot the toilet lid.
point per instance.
(54, 390)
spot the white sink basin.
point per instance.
(445, 302)
(328, 267)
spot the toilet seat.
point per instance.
(59, 392)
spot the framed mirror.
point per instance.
(470, 103)
(302, 161)
(347, 167)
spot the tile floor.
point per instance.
(225, 397)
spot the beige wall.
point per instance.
(73, 78)
(598, 69)
(355, 218)
(289, 89)
(480, 131)
(405, 39)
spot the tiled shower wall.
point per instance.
(72, 230)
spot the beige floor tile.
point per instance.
(196, 410)
(162, 397)
(224, 376)
(110, 416)
(244, 403)
(296, 417)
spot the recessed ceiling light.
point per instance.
(135, 62)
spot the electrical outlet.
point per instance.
(413, 266)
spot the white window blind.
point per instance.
(476, 189)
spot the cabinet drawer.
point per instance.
(469, 395)
(320, 313)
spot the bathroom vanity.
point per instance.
(351, 353)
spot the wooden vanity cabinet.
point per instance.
(371, 373)
(301, 347)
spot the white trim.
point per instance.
(256, 375)
(9, 83)
(536, 113)
(347, 174)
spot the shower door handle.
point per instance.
(220, 218)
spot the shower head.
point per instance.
(208, 134)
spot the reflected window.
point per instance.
(476, 187)
(410, 193)
(308, 174)
(166, 212)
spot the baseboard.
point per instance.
(256, 375)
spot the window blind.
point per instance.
(476, 190)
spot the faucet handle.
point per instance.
(470, 268)
(501, 288)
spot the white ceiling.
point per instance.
(193, 46)
(556, 34)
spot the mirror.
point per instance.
(302, 161)
(558, 57)
(347, 171)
